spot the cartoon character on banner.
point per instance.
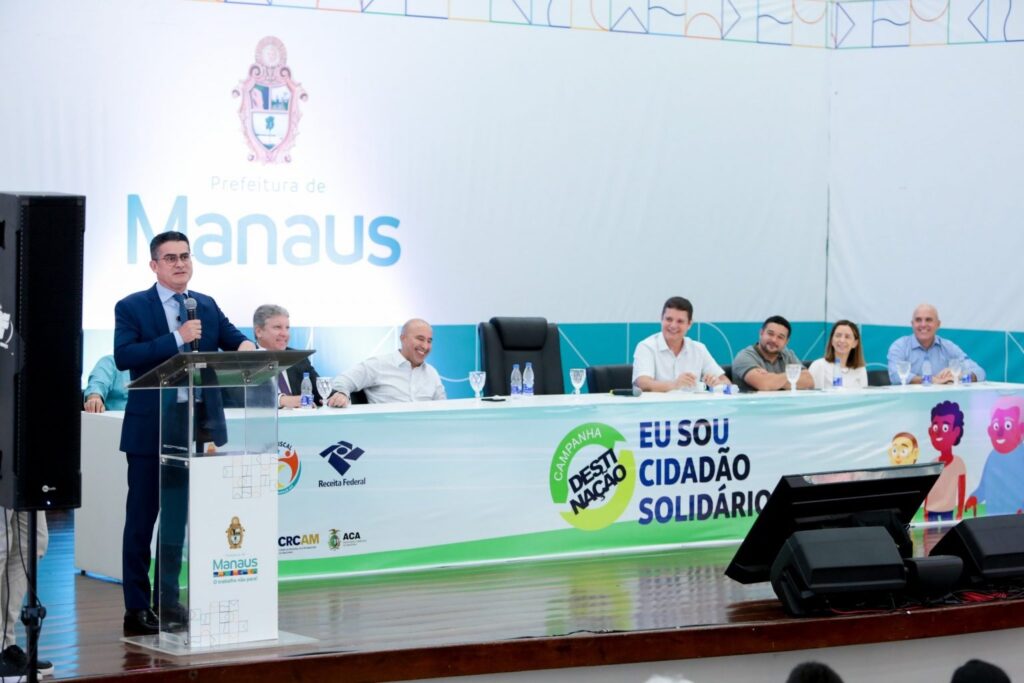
(903, 450)
(1002, 481)
(947, 495)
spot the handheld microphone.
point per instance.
(190, 310)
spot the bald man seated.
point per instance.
(925, 345)
(402, 375)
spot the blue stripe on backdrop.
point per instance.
(456, 349)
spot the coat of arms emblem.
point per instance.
(270, 104)
(235, 533)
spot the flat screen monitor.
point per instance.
(884, 496)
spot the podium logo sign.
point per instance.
(592, 475)
(270, 104)
(289, 468)
(235, 534)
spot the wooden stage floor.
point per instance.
(510, 617)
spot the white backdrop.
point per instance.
(580, 174)
(566, 173)
(926, 199)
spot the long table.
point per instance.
(390, 487)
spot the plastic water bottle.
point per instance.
(306, 401)
(837, 375)
(517, 382)
(528, 380)
(926, 372)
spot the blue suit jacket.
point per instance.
(142, 341)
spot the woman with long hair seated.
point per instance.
(843, 345)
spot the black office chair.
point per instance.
(603, 378)
(358, 398)
(504, 341)
(878, 378)
(727, 369)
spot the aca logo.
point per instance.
(334, 540)
(270, 104)
(593, 475)
(341, 455)
(289, 467)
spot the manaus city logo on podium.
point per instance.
(592, 476)
(235, 533)
(270, 111)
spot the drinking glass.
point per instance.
(955, 366)
(477, 378)
(903, 370)
(577, 376)
(793, 374)
(323, 385)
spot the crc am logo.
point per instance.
(290, 543)
(270, 111)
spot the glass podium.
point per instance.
(215, 578)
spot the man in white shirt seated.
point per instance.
(399, 376)
(668, 361)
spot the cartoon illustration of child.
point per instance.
(947, 495)
(903, 450)
(1002, 481)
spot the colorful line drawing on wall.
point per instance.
(826, 24)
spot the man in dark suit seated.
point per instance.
(150, 327)
(272, 327)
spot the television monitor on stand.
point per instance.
(828, 534)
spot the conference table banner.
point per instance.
(397, 486)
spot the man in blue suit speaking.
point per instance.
(150, 327)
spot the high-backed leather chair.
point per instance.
(603, 378)
(878, 378)
(504, 341)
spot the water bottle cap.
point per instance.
(515, 366)
(529, 364)
(305, 375)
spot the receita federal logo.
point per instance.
(270, 111)
(289, 467)
(342, 456)
(592, 476)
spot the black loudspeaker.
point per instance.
(992, 548)
(818, 570)
(41, 241)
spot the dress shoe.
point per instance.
(141, 622)
(15, 657)
(174, 613)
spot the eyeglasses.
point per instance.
(171, 259)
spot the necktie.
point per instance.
(182, 317)
(282, 384)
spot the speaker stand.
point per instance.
(32, 612)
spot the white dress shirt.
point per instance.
(653, 358)
(391, 378)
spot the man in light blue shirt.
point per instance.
(924, 345)
(107, 388)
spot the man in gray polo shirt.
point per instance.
(762, 366)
